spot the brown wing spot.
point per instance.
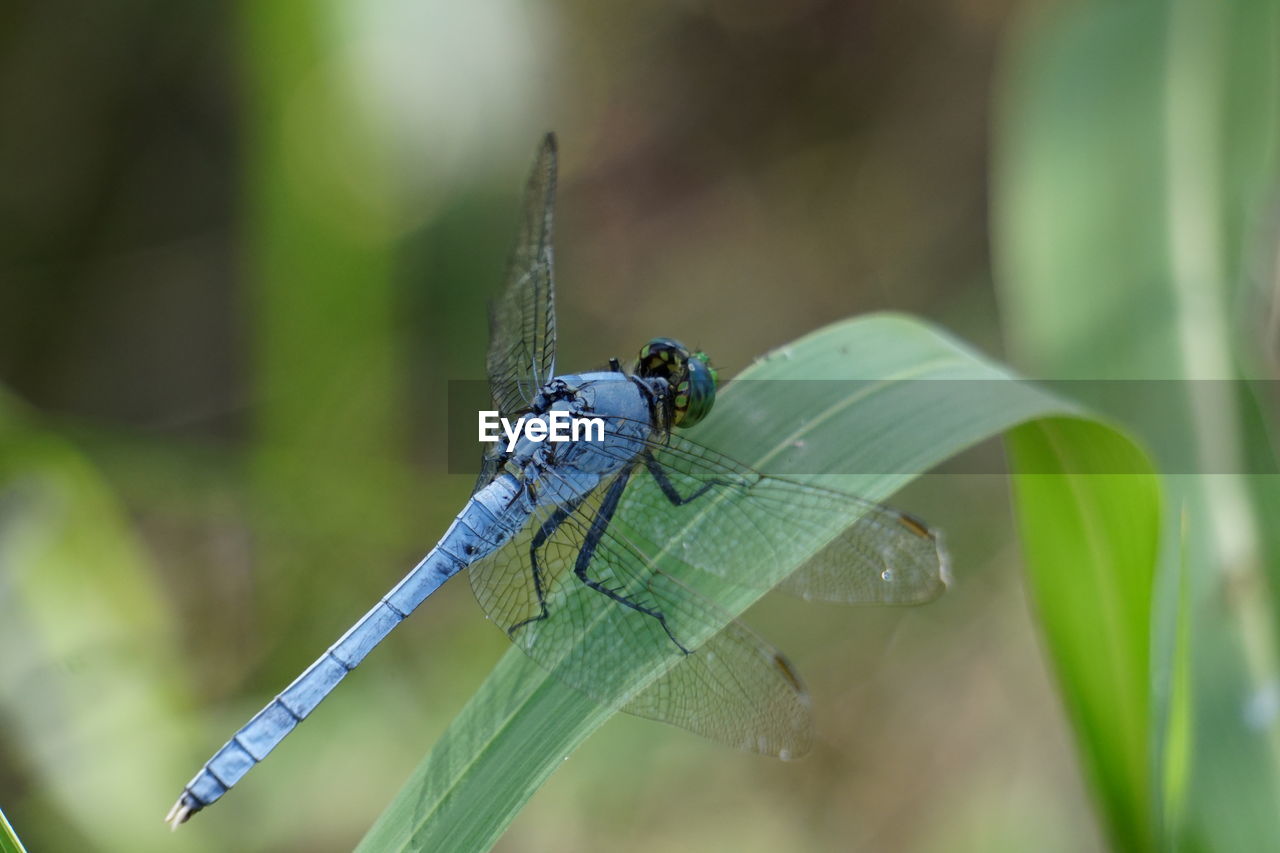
(915, 525)
(784, 666)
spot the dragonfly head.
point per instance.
(690, 377)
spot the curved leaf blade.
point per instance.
(1091, 540)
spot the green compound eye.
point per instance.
(702, 393)
(691, 376)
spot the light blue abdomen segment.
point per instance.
(486, 523)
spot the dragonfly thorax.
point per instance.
(691, 380)
(563, 471)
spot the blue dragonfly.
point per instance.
(574, 548)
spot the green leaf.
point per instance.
(9, 842)
(1090, 540)
(522, 723)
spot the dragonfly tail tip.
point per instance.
(179, 813)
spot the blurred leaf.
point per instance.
(1136, 151)
(90, 686)
(1176, 745)
(9, 842)
(320, 213)
(523, 723)
(1090, 540)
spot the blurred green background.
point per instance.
(246, 246)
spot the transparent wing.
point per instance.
(522, 334)
(522, 323)
(750, 528)
(730, 686)
(736, 689)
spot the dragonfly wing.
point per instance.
(522, 323)
(736, 689)
(522, 333)
(883, 557)
(706, 673)
(751, 528)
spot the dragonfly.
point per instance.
(594, 555)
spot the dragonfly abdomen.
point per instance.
(489, 519)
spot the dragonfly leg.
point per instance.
(598, 526)
(539, 539)
(669, 488)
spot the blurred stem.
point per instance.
(1178, 733)
(319, 216)
(1136, 141)
(1196, 62)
